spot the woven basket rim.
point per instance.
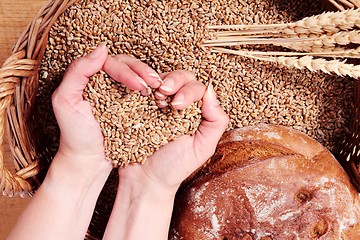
(18, 79)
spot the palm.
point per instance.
(174, 162)
(168, 166)
(83, 137)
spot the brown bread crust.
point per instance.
(268, 182)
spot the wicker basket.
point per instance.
(18, 84)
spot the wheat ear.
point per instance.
(327, 66)
(328, 22)
(325, 43)
(340, 68)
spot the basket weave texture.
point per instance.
(19, 82)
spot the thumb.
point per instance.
(77, 75)
(212, 127)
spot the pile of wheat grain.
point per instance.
(133, 125)
(168, 35)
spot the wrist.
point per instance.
(69, 195)
(140, 209)
(137, 215)
(68, 175)
(143, 187)
(84, 166)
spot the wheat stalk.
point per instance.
(328, 23)
(339, 6)
(323, 43)
(298, 44)
(341, 68)
(352, 53)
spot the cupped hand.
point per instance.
(145, 196)
(81, 139)
(174, 162)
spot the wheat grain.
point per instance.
(167, 36)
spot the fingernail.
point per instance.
(162, 103)
(159, 94)
(168, 85)
(212, 95)
(142, 82)
(154, 74)
(146, 91)
(179, 100)
(98, 51)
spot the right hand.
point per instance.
(147, 191)
(175, 161)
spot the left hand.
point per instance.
(81, 139)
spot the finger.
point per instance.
(121, 72)
(158, 95)
(77, 75)
(189, 93)
(149, 75)
(175, 80)
(162, 103)
(212, 127)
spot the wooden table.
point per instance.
(14, 17)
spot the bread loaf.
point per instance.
(267, 182)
